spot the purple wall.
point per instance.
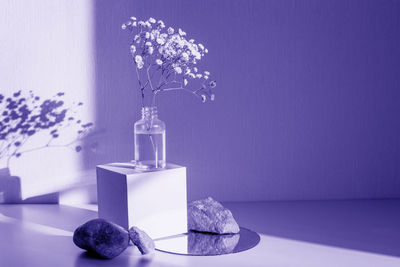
(308, 97)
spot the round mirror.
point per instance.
(207, 244)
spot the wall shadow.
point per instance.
(10, 187)
(10, 192)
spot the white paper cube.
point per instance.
(153, 201)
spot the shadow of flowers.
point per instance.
(22, 117)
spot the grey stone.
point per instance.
(208, 215)
(104, 238)
(142, 240)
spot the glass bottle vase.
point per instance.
(149, 134)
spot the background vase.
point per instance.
(149, 134)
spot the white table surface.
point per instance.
(308, 233)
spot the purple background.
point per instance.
(307, 103)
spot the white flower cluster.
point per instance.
(166, 51)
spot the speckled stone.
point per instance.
(142, 240)
(208, 215)
(104, 238)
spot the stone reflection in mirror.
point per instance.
(211, 244)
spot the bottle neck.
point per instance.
(149, 113)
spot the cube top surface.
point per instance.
(127, 168)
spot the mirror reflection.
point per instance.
(207, 244)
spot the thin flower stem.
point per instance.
(149, 79)
(153, 101)
(155, 150)
(161, 76)
(140, 85)
(178, 88)
(171, 89)
(201, 88)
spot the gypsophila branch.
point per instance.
(171, 53)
